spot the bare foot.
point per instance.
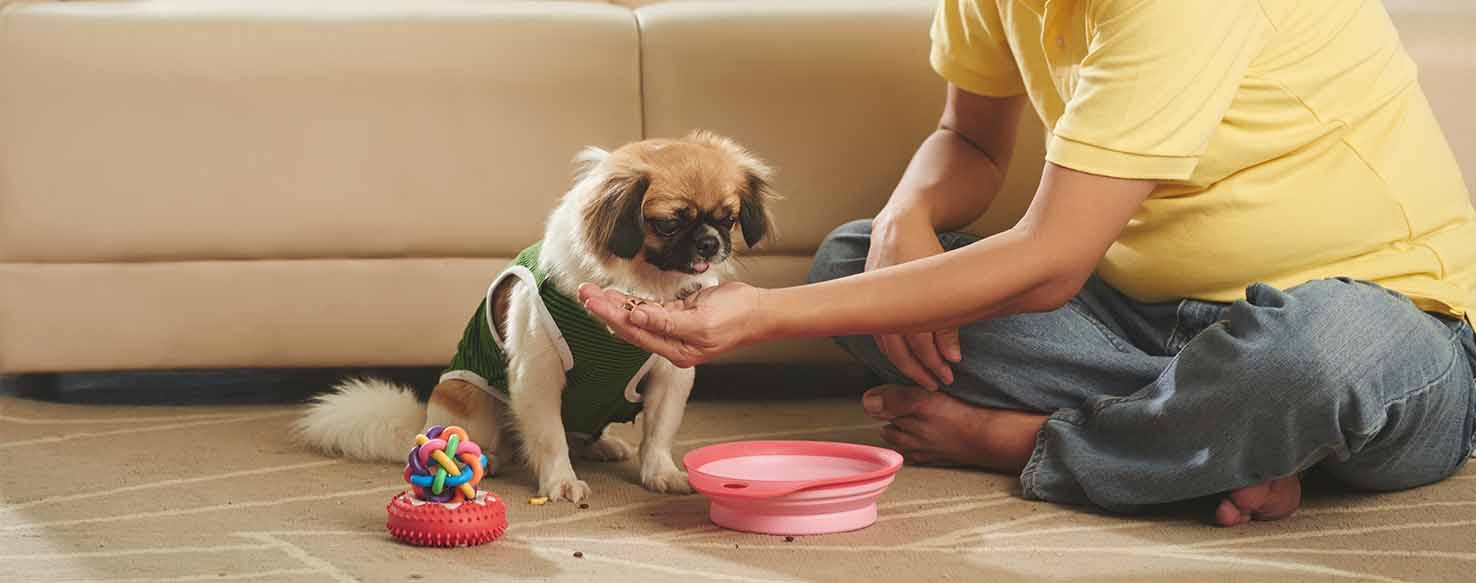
(934, 428)
(1269, 500)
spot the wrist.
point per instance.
(893, 229)
(769, 321)
(774, 315)
(901, 217)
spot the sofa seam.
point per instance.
(640, 30)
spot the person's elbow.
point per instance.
(1054, 292)
(1059, 277)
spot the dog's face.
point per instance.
(674, 204)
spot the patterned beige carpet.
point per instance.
(93, 493)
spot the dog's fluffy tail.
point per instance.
(365, 419)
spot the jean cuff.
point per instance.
(1037, 475)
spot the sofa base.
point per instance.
(272, 313)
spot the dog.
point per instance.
(535, 374)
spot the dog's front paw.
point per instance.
(668, 482)
(567, 489)
(608, 449)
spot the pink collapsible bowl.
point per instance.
(792, 487)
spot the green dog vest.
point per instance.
(601, 371)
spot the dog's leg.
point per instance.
(607, 449)
(666, 401)
(455, 402)
(536, 383)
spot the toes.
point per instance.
(1269, 500)
(897, 438)
(887, 402)
(673, 482)
(566, 491)
(872, 402)
(906, 444)
(918, 458)
(1283, 499)
(1228, 514)
(1251, 498)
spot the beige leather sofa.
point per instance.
(226, 183)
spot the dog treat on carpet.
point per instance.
(444, 508)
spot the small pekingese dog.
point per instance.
(534, 372)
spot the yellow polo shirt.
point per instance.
(1290, 138)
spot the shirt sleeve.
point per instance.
(1155, 83)
(971, 51)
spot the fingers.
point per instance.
(925, 348)
(603, 307)
(663, 321)
(948, 344)
(646, 326)
(895, 349)
(611, 305)
(591, 294)
(674, 349)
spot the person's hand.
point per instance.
(687, 332)
(923, 357)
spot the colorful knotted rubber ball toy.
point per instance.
(444, 507)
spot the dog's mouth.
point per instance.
(694, 264)
(701, 265)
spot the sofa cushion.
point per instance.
(270, 313)
(153, 130)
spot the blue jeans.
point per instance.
(1155, 403)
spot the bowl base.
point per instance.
(743, 518)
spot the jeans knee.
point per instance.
(1329, 335)
(843, 252)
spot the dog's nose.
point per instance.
(707, 246)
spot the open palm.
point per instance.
(687, 332)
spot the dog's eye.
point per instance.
(666, 227)
(727, 223)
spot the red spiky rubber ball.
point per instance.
(444, 508)
(436, 524)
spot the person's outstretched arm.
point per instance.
(1038, 265)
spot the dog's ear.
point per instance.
(612, 216)
(587, 160)
(753, 214)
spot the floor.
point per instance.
(96, 491)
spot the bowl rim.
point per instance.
(889, 461)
